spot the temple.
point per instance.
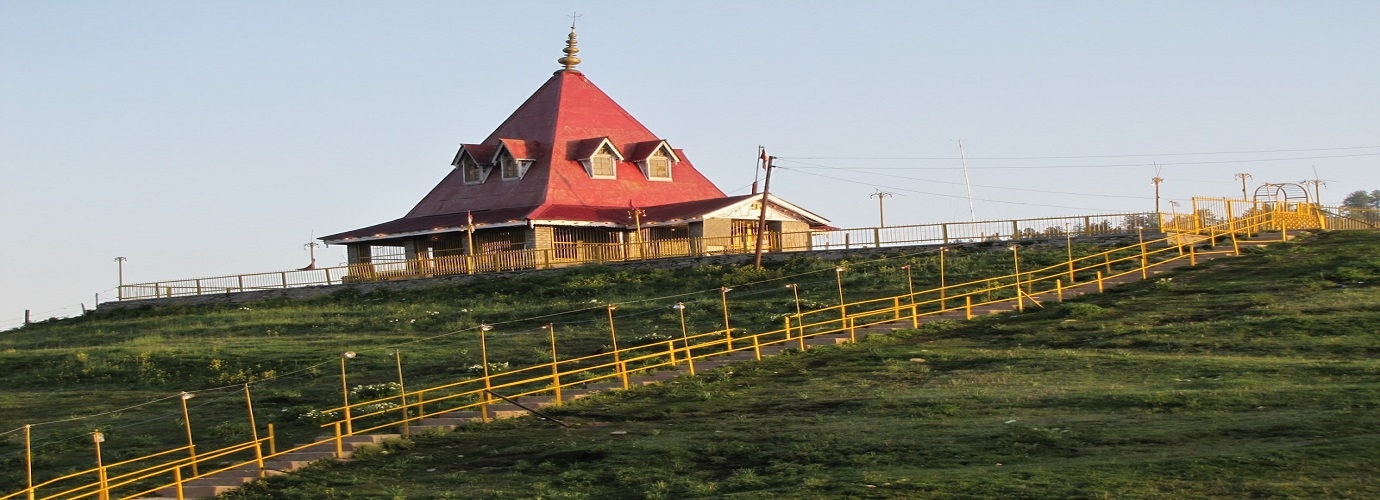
(572, 177)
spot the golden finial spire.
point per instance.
(570, 61)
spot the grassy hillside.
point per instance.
(121, 372)
(1253, 377)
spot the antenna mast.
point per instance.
(966, 181)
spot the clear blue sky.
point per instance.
(209, 138)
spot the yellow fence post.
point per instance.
(728, 330)
(1099, 282)
(1059, 289)
(671, 351)
(177, 482)
(339, 442)
(1192, 254)
(272, 441)
(618, 366)
(756, 347)
(1235, 248)
(800, 335)
(852, 332)
(968, 306)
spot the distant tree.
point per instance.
(1147, 221)
(1362, 205)
(1362, 199)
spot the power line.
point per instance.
(1137, 155)
(996, 187)
(949, 195)
(1022, 167)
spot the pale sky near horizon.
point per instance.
(210, 138)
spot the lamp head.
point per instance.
(680, 306)
(485, 328)
(186, 395)
(906, 267)
(348, 355)
(839, 269)
(725, 289)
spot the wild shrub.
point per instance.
(1081, 310)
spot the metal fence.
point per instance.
(568, 254)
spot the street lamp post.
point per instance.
(838, 278)
(728, 330)
(484, 365)
(187, 422)
(1068, 245)
(943, 286)
(555, 362)
(1016, 256)
(617, 356)
(345, 390)
(1140, 235)
(910, 292)
(685, 337)
(795, 291)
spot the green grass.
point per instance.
(1251, 377)
(120, 372)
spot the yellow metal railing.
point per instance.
(1022, 288)
(567, 254)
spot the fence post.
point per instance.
(198, 286)
(339, 442)
(756, 347)
(852, 330)
(241, 277)
(968, 306)
(1015, 230)
(1099, 282)
(328, 275)
(1087, 226)
(272, 440)
(944, 233)
(877, 237)
(1059, 289)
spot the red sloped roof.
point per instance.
(433, 224)
(564, 115)
(518, 148)
(568, 110)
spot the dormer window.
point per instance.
(473, 172)
(601, 165)
(513, 158)
(659, 165)
(656, 160)
(510, 168)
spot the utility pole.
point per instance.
(1243, 176)
(1317, 183)
(963, 157)
(881, 197)
(311, 248)
(120, 290)
(762, 219)
(1156, 180)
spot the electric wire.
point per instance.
(1114, 165)
(1135, 155)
